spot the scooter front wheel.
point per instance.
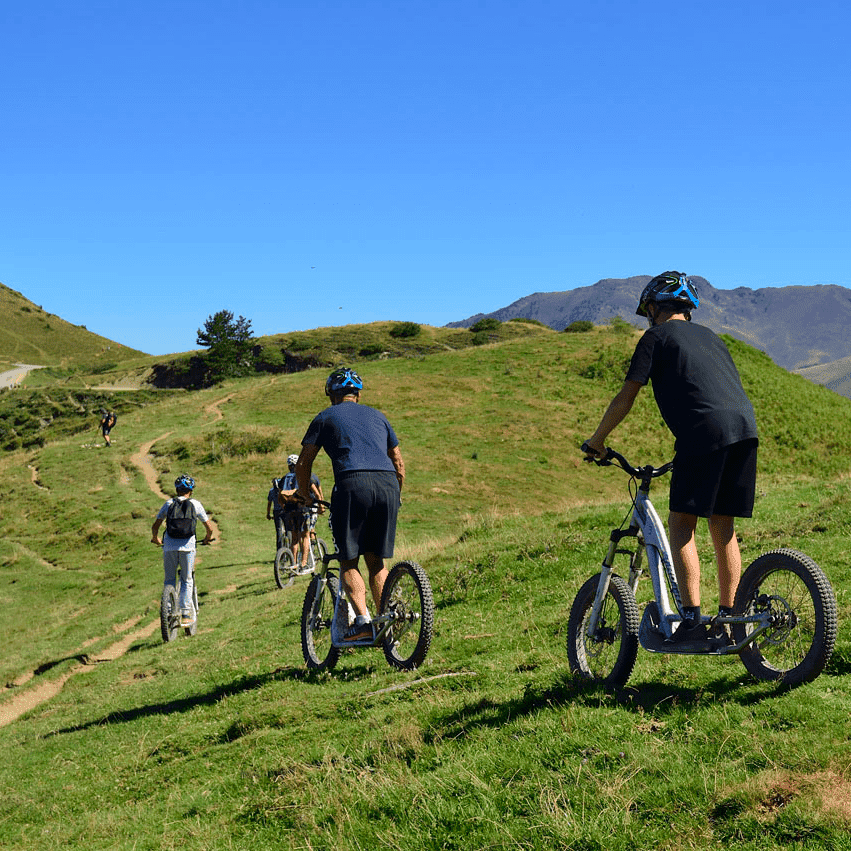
(169, 614)
(606, 656)
(317, 614)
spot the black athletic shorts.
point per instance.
(297, 521)
(722, 482)
(364, 508)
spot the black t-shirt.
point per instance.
(696, 385)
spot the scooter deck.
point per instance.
(652, 639)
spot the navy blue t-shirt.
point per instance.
(355, 436)
(696, 385)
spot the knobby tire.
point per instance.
(798, 645)
(316, 615)
(169, 615)
(284, 567)
(407, 592)
(608, 656)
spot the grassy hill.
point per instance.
(66, 399)
(28, 334)
(223, 741)
(835, 376)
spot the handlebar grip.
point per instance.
(600, 462)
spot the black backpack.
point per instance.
(180, 518)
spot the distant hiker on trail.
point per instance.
(274, 510)
(108, 419)
(297, 516)
(180, 514)
(368, 477)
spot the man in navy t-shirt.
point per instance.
(368, 477)
(701, 398)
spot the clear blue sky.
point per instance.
(325, 162)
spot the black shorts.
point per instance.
(364, 508)
(722, 482)
(296, 521)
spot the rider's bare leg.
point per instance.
(681, 528)
(723, 533)
(377, 577)
(302, 548)
(355, 587)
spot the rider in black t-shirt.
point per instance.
(701, 398)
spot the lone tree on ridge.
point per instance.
(229, 344)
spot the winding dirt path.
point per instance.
(22, 702)
(142, 461)
(213, 409)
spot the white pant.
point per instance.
(185, 560)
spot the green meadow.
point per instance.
(112, 739)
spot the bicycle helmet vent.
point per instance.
(669, 289)
(184, 483)
(343, 381)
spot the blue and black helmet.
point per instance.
(184, 483)
(669, 288)
(342, 382)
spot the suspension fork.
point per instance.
(607, 569)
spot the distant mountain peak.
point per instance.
(796, 326)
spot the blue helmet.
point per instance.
(342, 382)
(669, 288)
(184, 483)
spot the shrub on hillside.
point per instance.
(188, 373)
(228, 443)
(269, 359)
(371, 350)
(405, 329)
(489, 323)
(529, 321)
(620, 326)
(609, 368)
(579, 327)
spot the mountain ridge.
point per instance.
(769, 318)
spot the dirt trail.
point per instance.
(11, 710)
(14, 377)
(213, 408)
(22, 702)
(142, 461)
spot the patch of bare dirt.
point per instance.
(34, 478)
(11, 710)
(828, 791)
